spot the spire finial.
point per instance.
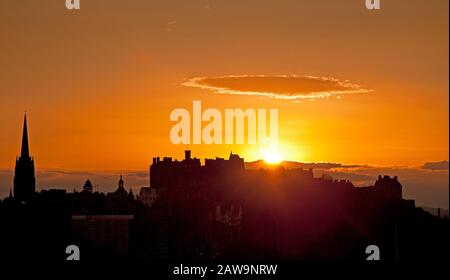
(25, 151)
(121, 183)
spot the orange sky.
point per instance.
(99, 84)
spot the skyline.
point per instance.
(427, 184)
(353, 86)
(226, 138)
(217, 210)
(109, 72)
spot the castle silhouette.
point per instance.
(218, 210)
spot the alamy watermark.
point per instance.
(73, 252)
(73, 4)
(219, 129)
(373, 252)
(373, 4)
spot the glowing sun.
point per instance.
(271, 156)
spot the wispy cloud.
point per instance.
(171, 25)
(438, 165)
(289, 87)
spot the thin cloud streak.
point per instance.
(288, 87)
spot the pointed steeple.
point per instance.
(25, 153)
(121, 184)
(24, 180)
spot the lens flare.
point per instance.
(272, 156)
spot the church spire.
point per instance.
(24, 180)
(25, 151)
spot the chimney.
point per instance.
(187, 154)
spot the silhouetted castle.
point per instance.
(189, 174)
(388, 187)
(168, 173)
(272, 213)
(24, 180)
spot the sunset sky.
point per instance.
(99, 83)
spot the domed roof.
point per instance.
(88, 185)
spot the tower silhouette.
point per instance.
(24, 180)
(121, 187)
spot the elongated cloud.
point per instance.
(438, 165)
(290, 87)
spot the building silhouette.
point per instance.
(147, 196)
(24, 179)
(120, 201)
(87, 187)
(224, 209)
(389, 187)
(218, 210)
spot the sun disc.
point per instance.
(271, 157)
